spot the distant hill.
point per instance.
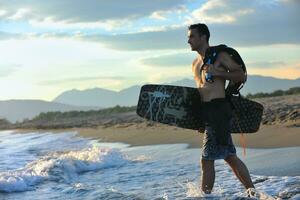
(17, 110)
(128, 97)
(257, 84)
(100, 97)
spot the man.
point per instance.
(217, 142)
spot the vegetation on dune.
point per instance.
(81, 114)
(294, 90)
(4, 123)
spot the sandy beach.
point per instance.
(269, 136)
(280, 127)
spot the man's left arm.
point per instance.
(234, 71)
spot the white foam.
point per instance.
(296, 197)
(194, 191)
(64, 165)
(227, 185)
(7, 132)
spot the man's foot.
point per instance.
(251, 192)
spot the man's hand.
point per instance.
(214, 69)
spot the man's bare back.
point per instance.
(208, 90)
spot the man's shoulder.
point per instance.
(219, 47)
(196, 61)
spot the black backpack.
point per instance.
(211, 56)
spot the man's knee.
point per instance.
(207, 163)
(231, 159)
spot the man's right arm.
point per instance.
(234, 73)
(194, 65)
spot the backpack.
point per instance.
(210, 57)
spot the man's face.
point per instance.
(194, 39)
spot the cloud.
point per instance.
(251, 22)
(185, 59)
(6, 70)
(171, 39)
(6, 36)
(290, 72)
(73, 11)
(2, 12)
(267, 64)
(162, 14)
(254, 24)
(81, 79)
(19, 14)
(173, 60)
(245, 35)
(159, 15)
(248, 23)
(221, 11)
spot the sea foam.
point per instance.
(60, 165)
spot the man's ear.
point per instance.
(203, 37)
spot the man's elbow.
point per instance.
(242, 77)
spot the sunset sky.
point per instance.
(48, 47)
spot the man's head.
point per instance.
(198, 35)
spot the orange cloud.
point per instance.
(283, 72)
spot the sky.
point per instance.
(48, 47)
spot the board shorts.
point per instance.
(213, 151)
(217, 140)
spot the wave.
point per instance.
(60, 165)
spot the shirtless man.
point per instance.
(216, 145)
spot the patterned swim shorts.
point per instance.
(213, 151)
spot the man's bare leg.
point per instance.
(240, 170)
(208, 175)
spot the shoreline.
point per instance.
(268, 136)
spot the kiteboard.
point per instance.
(181, 106)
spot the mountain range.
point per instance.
(18, 110)
(96, 98)
(129, 96)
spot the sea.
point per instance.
(48, 165)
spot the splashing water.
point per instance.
(65, 166)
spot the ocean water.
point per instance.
(66, 166)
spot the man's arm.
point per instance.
(233, 72)
(194, 65)
(195, 70)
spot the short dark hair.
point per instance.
(202, 29)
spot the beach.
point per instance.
(268, 136)
(280, 127)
